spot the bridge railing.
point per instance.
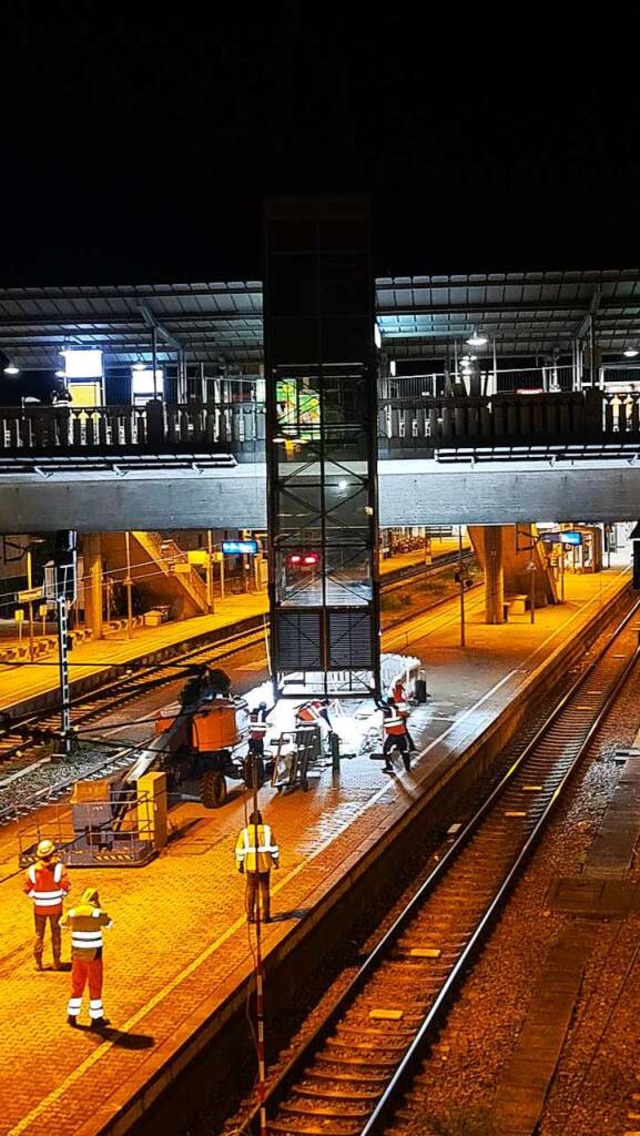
(418, 424)
(154, 427)
(426, 424)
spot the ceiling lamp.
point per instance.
(630, 352)
(11, 369)
(476, 340)
(60, 374)
(139, 366)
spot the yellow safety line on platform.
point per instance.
(193, 966)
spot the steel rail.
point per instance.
(311, 1048)
(142, 681)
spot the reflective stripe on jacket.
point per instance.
(310, 712)
(86, 923)
(47, 885)
(258, 857)
(394, 724)
(257, 728)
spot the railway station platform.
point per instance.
(179, 950)
(20, 683)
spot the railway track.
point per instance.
(21, 735)
(411, 573)
(348, 1077)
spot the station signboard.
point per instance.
(30, 595)
(239, 547)
(567, 536)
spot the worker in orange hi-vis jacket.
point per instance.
(86, 922)
(46, 883)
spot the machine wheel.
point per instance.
(252, 761)
(213, 790)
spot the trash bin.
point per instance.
(421, 689)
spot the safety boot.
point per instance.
(72, 1021)
(98, 1024)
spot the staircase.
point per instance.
(160, 569)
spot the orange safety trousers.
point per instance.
(83, 971)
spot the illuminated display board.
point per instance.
(238, 547)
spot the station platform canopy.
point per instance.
(419, 317)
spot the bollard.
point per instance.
(334, 742)
(420, 688)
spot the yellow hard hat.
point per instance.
(45, 849)
(90, 895)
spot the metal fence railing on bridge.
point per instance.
(518, 419)
(155, 427)
(423, 424)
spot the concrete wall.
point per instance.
(412, 492)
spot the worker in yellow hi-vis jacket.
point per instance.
(256, 854)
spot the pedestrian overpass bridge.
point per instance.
(481, 460)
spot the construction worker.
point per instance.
(399, 697)
(398, 691)
(258, 726)
(47, 883)
(197, 689)
(256, 854)
(395, 734)
(313, 712)
(86, 922)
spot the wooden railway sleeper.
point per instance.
(365, 1062)
(304, 1109)
(348, 1078)
(339, 1094)
(396, 1029)
(311, 1130)
(365, 1046)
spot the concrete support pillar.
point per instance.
(494, 575)
(92, 556)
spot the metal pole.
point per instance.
(63, 667)
(29, 586)
(532, 600)
(262, 1072)
(154, 354)
(562, 572)
(461, 575)
(222, 577)
(210, 572)
(128, 582)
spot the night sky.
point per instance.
(138, 143)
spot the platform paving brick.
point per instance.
(179, 943)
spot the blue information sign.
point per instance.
(568, 536)
(239, 547)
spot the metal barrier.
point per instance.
(418, 423)
(589, 417)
